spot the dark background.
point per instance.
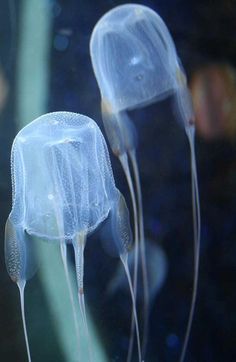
(204, 32)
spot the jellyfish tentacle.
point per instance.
(115, 134)
(125, 263)
(122, 235)
(196, 193)
(21, 286)
(79, 245)
(132, 155)
(63, 249)
(124, 162)
(185, 108)
(197, 234)
(130, 142)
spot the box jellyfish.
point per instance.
(64, 189)
(136, 64)
(120, 131)
(20, 262)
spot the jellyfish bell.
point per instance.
(128, 45)
(52, 157)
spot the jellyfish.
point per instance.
(136, 64)
(64, 188)
(121, 135)
(21, 264)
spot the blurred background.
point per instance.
(45, 66)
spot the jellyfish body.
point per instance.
(63, 186)
(134, 57)
(136, 64)
(60, 147)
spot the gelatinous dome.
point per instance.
(134, 57)
(62, 178)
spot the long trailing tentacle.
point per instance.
(129, 136)
(125, 263)
(124, 162)
(63, 249)
(21, 286)
(132, 155)
(197, 234)
(123, 237)
(119, 132)
(79, 244)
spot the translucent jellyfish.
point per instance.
(64, 188)
(136, 64)
(120, 131)
(20, 262)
